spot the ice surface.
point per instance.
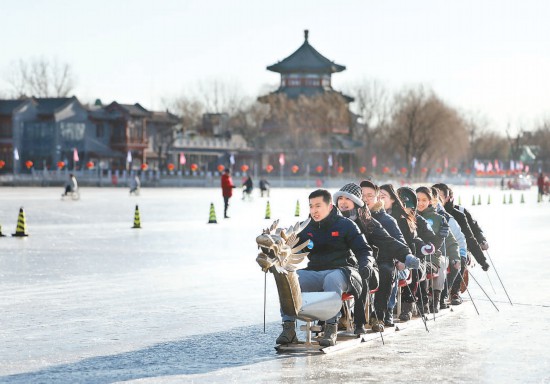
(85, 298)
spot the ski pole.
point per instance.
(490, 282)
(499, 279)
(417, 309)
(265, 289)
(483, 291)
(467, 290)
(376, 315)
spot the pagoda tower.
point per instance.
(306, 72)
(309, 121)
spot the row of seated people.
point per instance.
(383, 232)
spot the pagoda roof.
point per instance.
(306, 59)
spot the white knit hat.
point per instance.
(352, 191)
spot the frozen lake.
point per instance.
(85, 298)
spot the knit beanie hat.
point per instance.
(352, 191)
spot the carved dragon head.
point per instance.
(279, 249)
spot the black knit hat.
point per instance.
(352, 191)
(408, 197)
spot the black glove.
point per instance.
(365, 272)
(485, 266)
(444, 230)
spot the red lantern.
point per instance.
(60, 164)
(424, 170)
(439, 170)
(220, 168)
(404, 171)
(2, 163)
(90, 164)
(454, 170)
(295, 168)
(170, 167)
(269, 168)
(385, 170)
(194, 167)
(144, 167)
(244, 167)
(340, 169)
(28, 164)
(363, 169)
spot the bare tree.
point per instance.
(425, 128)
(373, 105)
(305, 122)
(40, 77)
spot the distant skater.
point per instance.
(227, 190)
(264, 187)
(72, 185)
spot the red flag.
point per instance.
(374, 161)
(75, 155)
(282, 159)
(182, 159)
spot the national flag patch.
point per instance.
(335, 234)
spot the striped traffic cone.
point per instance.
(297, 212)
(268, 211)
(212, 216)
(137, 221)
(21, 229)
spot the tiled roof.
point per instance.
(306, 59)
(48, 106)
(8, 106)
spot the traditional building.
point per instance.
(48, 130)
(309, 121)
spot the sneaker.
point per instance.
(406, 312)
(456, 299)
(329, 339)
(288, 335)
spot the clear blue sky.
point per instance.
(491, 57)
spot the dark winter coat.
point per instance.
(337, 243)
(426, 233)
(387, 221)
(476, 229)
(389, 248)
(471, 242)
(410, 236)
(435, 221)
